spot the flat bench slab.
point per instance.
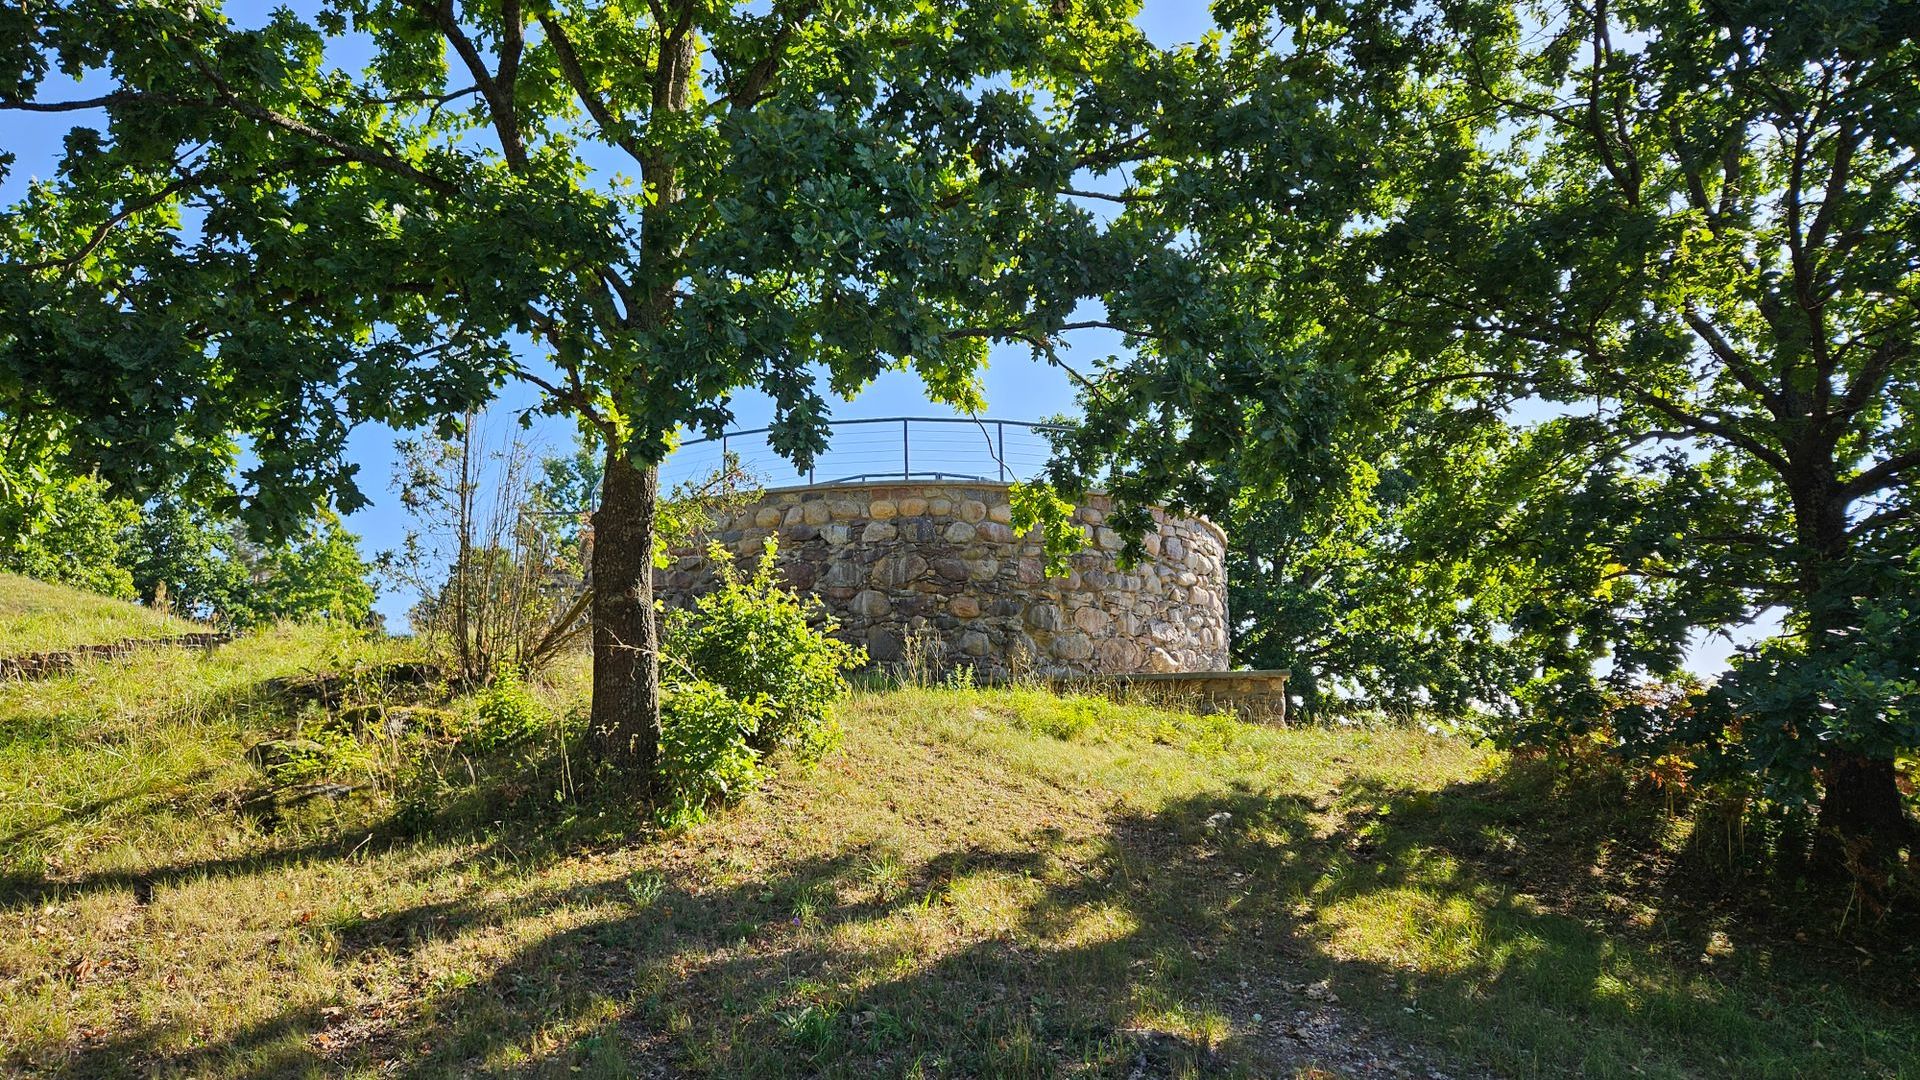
(1258, 695)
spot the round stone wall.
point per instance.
(935, 570)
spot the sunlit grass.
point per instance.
(37, 617)
(978, 883)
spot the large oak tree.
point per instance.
(379, 209)
(1636, 285)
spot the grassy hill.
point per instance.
(38, 617)
(977, 883)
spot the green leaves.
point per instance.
(1523, 351)
(834, 193)
(65, 529)
(768, 649)
(1620, 303)
(1039, 506)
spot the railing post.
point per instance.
(906, 452)
(1002, 426)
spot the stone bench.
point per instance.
(1258, 696)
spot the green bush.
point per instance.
(71, 531)
(507, 714)
(763, 644)
(706, 752)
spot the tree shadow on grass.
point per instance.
(564, 1000)
(1054, 954)
(93, 808)
(25, 889)
(505, 804)
(1232, 934)
(1236, 933)
(1529, 922)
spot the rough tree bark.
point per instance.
(626, 670)
(626, 662)
(1863, 822)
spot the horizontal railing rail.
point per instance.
(877, 449)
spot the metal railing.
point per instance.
(884, 448)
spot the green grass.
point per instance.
(977, 883)
(37, 617)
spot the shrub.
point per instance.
(764, 644)
(71, 531)
(507, 714)
(706, 751)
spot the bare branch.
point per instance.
(118, 97)
(570, 624)
(420, 99)
(1124, 198)
(1040, 343)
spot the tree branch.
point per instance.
(351, 151)
(1125, 198)
(610, 127)
(1872, 376)
(1881, 476)
(118, 97)
(1625, 174)
(1040, 343)
(754, 84)
(1737, 364)
(1874, 523)
(1720, 429)
(127, 211)
(497, 89)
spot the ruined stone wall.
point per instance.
(937, 567)
(44, 665)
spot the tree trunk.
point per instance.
(626, 669)
(1863, 822)
(1863, 819)
(626, 659)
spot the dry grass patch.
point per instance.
(977, 883)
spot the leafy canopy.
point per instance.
(205, 566)
(1632, 285)
(368, 213)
